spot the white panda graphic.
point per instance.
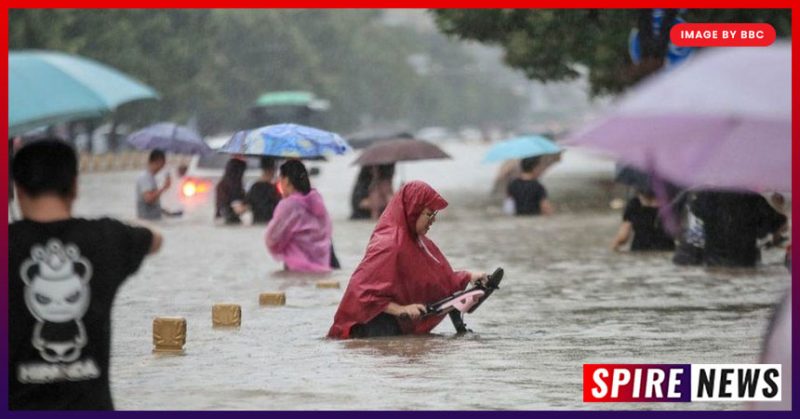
(57, 294)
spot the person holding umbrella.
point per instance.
(525, 195)
(300, 224)
(300, 231)
(161, 137)
(374, 188)
(148, 194)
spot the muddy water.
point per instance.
(566, 300)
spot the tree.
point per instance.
(214, 64)
(551, 45)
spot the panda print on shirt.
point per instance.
(57, 294)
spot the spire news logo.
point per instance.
(637, 383)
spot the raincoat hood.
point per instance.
(406, 206)
(399, 266)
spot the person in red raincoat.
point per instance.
(401, 272)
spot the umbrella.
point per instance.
(170, 137)
(286, 141)
(720, 120)
(47, 87)
(400, 149)
(520, 148)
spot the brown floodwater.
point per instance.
(566, 300)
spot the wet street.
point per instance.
(566, 300)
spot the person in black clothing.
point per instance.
(63, 275)
(527, 194)
(230, 192)
(263, 196)
(733, 222)
(641, 220)
(381, 190)
(360, 195)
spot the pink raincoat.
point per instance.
(299, 233)
(400, 266)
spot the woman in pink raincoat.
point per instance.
(299, 233)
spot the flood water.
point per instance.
(566, 300)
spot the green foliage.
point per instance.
(550, 45)
(214, 63)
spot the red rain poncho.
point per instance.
(397, 268)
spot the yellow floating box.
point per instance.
(169, 334)
(226, 315)
(272, 298)
(328, 284)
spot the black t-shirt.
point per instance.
(262, 198)
(648, 232)
(732, 222)
(63, 277)
(527, 195)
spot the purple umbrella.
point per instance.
(169, 137)
(721, 120)
(401, 149)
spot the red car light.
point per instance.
(192, 187)
(189, 189)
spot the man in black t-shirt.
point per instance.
(527, 194)
(63, 275)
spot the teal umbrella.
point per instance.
(46, 87)
(521, 147)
